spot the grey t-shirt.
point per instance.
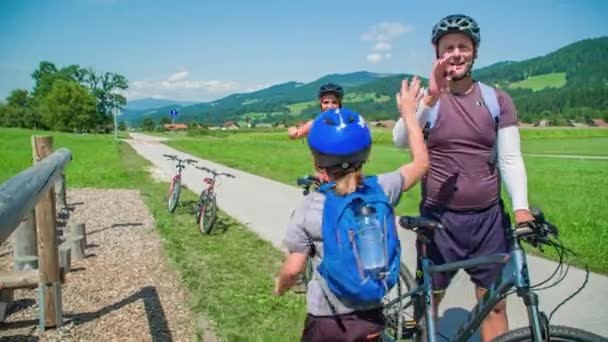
(304, 235)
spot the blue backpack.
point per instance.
(341, 266)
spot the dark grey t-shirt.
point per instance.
(304, 233)
(460, 143)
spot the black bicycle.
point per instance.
(206, 207)
(176, 181)
(410, 316)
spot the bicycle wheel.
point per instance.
(400, 312)
(557, 333)
(207, 213)
(174, 192)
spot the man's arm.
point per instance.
(512, 168)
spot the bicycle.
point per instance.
(176, 181)
(421, 326)
(206, 208)
(406, 279)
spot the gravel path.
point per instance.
(124, 290)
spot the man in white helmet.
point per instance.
(473, 142)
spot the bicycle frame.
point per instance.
(211, 182)
(514, 274)
(177, 176)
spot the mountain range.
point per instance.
(569, 83)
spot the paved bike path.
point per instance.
(265, 205)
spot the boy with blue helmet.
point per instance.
(340, 142)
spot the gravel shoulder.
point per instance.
(125, 289)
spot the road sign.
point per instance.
(173, 113)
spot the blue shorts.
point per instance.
(467, 234)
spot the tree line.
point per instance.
(71, 98)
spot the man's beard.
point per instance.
(465, 74)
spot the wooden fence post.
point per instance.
(24, 244)
(48, 258)
(60, 191)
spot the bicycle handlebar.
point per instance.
(215, 172)
(180, 161)
(416, 223)
(536, 232)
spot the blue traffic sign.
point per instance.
(173, 113)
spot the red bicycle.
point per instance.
(206, 208)
(176, 182)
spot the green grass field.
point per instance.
(596, 146)
(297, 108)
(540, 82)
(95, 158)
(229, 274)
(571, 192)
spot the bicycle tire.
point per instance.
(174, 193)
(557, 333)
(207, 214)
(395, 317)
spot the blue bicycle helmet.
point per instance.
(340, 137)
(331, 88)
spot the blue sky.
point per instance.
(202, 50)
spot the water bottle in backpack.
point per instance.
(370, 240)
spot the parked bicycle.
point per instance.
(176, 180)
(410, 315)
(206, 208)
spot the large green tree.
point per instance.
(69, 106)
(105, 87)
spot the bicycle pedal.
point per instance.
(409, 328)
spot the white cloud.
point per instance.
(177, 86)
(375, 57)
(385, 31)
(180, 75)
(381, 35)
(383, 46)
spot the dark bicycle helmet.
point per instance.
(331, 88)
(456, 23)
(340, 137)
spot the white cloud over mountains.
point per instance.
(179, 86)
(381, 36)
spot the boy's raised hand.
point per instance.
(409, 96)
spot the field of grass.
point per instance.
(254, 115)
(596, 146)
(571, 192)
(297, 108)
(553, 80)
(230, 273)
(95, 158)
(362, 97)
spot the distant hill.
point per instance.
(569, 83)
(271, 100)
(152, 103)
